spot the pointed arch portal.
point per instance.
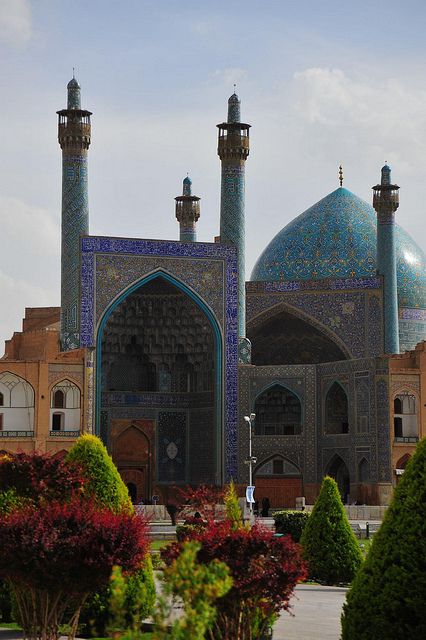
(159, 358)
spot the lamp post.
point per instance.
(251, 460)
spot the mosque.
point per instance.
(162, 347)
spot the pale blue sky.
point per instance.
(322, 82)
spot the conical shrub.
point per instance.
(328, 543)
(388, 596)
(102, 480)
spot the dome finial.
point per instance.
(341, 175)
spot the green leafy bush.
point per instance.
(199, 586)
(290, 523)
(102, 480)
(387, 597)
(138, 602)
(328, 543)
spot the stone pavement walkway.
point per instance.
(317, 615)
(316, 611)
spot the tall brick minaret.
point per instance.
(74, 132)
(233, 149)
(386, 202)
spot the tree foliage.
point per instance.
(103, 483)
(34, 478)
(328, 542)
(202, 499)
(387, 597)
(232, 507)
(199, 586)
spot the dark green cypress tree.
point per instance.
(328, 543)
(388, 596)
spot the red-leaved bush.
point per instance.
(202, 499)
(265, 571)
(69, 546)
(38, 477)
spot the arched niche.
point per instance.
(405, 417)
(278, 412)
(338, 470)
(65, 402)
(363, 470)
(288, 338)
(336, 411)
(159, 347)
(17, 410)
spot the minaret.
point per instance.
(233, 149)
(386, 202)
(187, 212)
(74, 137)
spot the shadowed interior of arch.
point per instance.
(159, 362)
(287, 339)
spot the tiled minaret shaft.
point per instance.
(74, 132)
(187, 212)
(233, 149)
(386, 202)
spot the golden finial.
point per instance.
(341, 175)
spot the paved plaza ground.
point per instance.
(316, 611)
(317, 616)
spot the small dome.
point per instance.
(73, 84)
(233, 99)
(336, 238)
(187, 180)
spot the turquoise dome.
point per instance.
(336, 238)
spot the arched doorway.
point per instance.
(159, 355)
(338, 470)
(131, 453)
(279, 480)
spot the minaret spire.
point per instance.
(187, 212)
(74, 134)
(386, 202)
(233, 150)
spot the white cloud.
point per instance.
(15, 21)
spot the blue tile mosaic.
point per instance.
(99, 287)
(336, 238)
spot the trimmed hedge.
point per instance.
(290, 523)
(103, 481)
(328, 543)
(388, 596)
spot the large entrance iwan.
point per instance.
(159, 354)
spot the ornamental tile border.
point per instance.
(206, 255)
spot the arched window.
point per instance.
(17, 402)
(278, 412)
(58, 399)
(65, 395)
(397, 405)
(336, 410)
(405, 419)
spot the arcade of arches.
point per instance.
(158, 389)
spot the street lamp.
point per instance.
(251, 460)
